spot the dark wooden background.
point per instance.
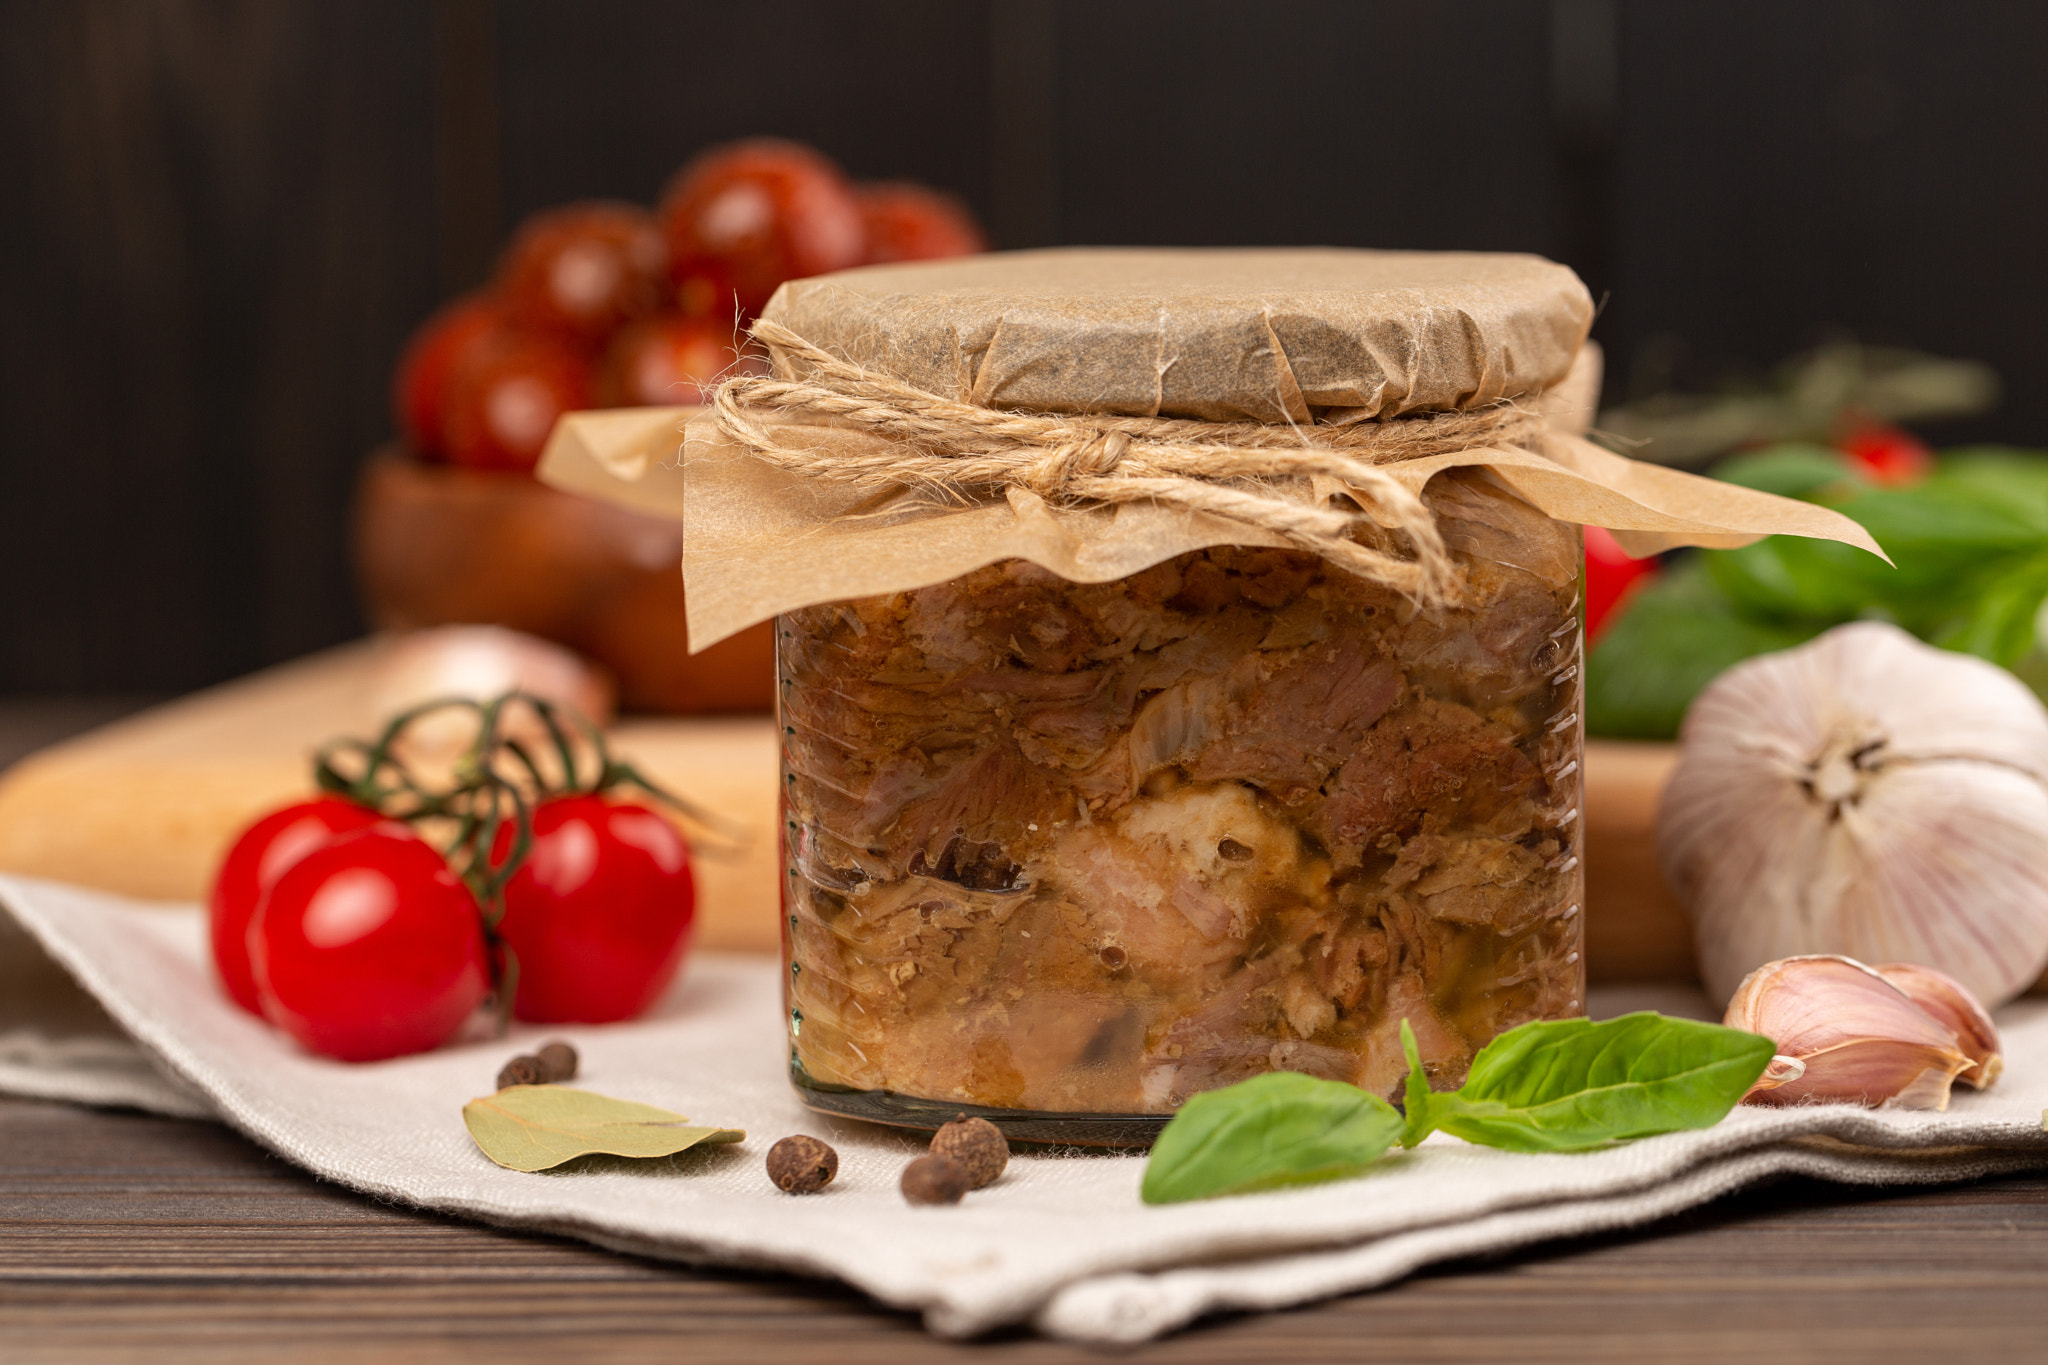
(219, 218)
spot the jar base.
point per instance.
(1018, 1125)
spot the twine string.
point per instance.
(1275, 478)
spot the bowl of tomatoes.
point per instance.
(606, 304)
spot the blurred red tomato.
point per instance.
(586, 270)
(1886, 454)
(670, 359)
(760, 212)
(436, 351)
(1612, 573)
(370, 947)
(708, 291)
(504, 400)
(264, 852)
(908, 222)
(599, 914)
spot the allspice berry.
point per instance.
(522, 1070)
(977, 1144)
(802, 1165)
(558, 1060)
(935, 1180)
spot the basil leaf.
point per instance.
(1999, 624)
(1418, 1123)
(1282, 1128)
(1569, 1084)
(1674, 636)
(1791, 470)
(2017, 480)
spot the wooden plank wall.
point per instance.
(220, 218)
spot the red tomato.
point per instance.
(258, 858)
(1885, 454)
(912, 223)
(670, 359)
(760, 212)
(1612, 573)
(708, 291)
(586, 270)
(504, 400)
(599, 914)
(437, 350)
(370, 947)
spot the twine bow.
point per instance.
(1319, 488)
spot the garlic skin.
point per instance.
(1868, 795)
(479, 662)
(1956, 1010)
(1844, 1034)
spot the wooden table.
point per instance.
(124, 1237)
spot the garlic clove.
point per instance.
(1956, 1010)
(1844, 1034)
(1864, 794)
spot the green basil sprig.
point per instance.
(1565, 1085)
(1282, 1128)
(1550, 1086)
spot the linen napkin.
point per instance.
(1061, 1241)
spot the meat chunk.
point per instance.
(1099, 847)
(1430, 758)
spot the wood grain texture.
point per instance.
(147, 807)
(124, 1238)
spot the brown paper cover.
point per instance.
(1239, 335)
(1340, 336)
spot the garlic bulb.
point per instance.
(479, 662)
(1844, 1033)
(1864, 794)
(1956, 1010)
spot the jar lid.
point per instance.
(1231, 335)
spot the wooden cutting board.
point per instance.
(147, 806)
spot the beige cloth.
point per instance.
(1061, 1241)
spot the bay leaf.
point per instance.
(1282, 1128)
(536, 1127)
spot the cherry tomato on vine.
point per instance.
(263, 853)
(599, 914)
(370, 947)
(757, 213)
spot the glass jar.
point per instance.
(1065, 854)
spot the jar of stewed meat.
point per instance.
(1178, 666)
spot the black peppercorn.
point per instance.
(977, 1144)
(802, 1165)
(522, 1070)
(558, 1060)
(935, 1180)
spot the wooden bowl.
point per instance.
(436, 545)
